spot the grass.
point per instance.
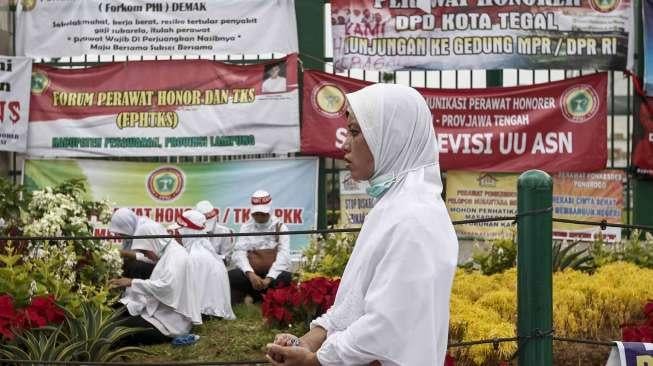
(243, 339)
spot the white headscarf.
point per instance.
(123, 221)
(392, 305)
(170, 284)
(398, 127)
(208, 272)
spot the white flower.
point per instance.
(32, 288)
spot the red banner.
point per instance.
(643, 152)
(558, 126)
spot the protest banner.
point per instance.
(146, 109)
(354, 201)
(481, 34)
(557, 126)
(592, 197)
(163, 191)
(15, 74)
(67, 28)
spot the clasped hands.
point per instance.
(257, 282)
(289, 350)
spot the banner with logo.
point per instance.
(354, 201)
(643, 150)
(15, 73)
(630, 354)
(160, 108)
(647, 17)
(481, 34)
(163, 191)
(576, 196)
(66, 28)
(558, 126)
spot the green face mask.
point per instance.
(379, 185)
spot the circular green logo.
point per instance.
(165, 184)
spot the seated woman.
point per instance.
(392, 306)
(163, 303)
(138, 254)
(209, 274)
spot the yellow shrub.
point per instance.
(584, 306)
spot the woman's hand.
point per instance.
(286, 339)
(120, 282)
(290, 356)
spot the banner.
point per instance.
(647, 9)
(354, 201)
(161, 108)
(558, 126)
(15, 73)
(66, 28)
(163, 191)
(576, 196)
(481, 34)
(630, 354)
(643, 150)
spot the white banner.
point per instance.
(15, 73)
(170, 27)
(162, 108)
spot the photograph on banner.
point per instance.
(648, 45)
(15, 75)
(164, 191)
(354, 201)
(592, 197)
(643, 136)
(556, 126)
(481, 34)
(146, 109)
(138, 27)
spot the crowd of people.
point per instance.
(171, 284)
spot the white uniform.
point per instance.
(246, 243)
(210, 279)
(274, 85)
(392, 305)
(221, 246)
(165, 299)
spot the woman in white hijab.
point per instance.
(392, 307)
(209, 274)
(138, 254)
(164, 300)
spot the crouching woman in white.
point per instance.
(210, 279)
(392, 306)
(164, 302)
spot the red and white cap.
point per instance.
(261, 202)
(207, 209)
(190, 219)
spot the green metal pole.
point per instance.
(534, 272)
(310, 26)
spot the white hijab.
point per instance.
(393, 301)
(171, 284)
(123, 221)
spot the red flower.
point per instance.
(648, 309)
(449, 361)
(45, 307)
(7, 310)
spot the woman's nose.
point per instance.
(347, 145)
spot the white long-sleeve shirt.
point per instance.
(392, 305)
(222, 246)
(247, 243)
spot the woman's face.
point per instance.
(358, 156)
